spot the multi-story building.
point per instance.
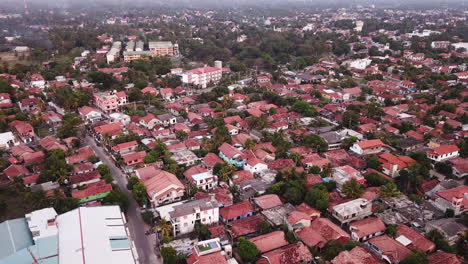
(353, 210)
(201, 178)
(114, 52)
(135, 55)
(202, 76)
(455, 199)
(106, 102)
(343, 174)
(231, 155)
(163, 48)
(186, 215)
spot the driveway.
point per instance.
(144, 244)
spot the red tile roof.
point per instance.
(270, 241)
(442, 150)
(211, 159)
(267, 201)
(236, 210)
(367, 226)
(391, 248)
(15, 170)
(443, 258)
(373, 143)
(358, 255)
(246, 226)
(291, 254)
(418, 241)
(123, 146)
(92, 190)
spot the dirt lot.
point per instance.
(11, 58)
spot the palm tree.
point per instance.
(353, 189)
(165, 228)
(389, 190)
(327, 170)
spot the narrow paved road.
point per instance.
(144, 244)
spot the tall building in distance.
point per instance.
(163, 48)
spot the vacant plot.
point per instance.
(12, 59)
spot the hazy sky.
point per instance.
(218, 3)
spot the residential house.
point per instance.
(37, 81)
(201, 178)
(443, 258)
(413, 239)
(343, 174)
(367, 147)
(111, 130)
(291, 254)
(388, 249)
(124, 148)
(134, 158)
(162, 186)
(392, 165)
(185, 216)
(267, 201)
(459, 166)
(209, 251)
(269, 241)
(231, 155)
(357, 255)
(443, 153)
(90, 115)
(353, 210)
(8, 140)
(23, 130)
(321, 231)
(94, 192)
(149, 121)
(455, 199)
(166, 119)
(236, 211)
(210, 160)
(255, 166)
(367, 228)
(450, 229)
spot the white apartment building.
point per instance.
(114, 52)
(184, 216)
(202, 76)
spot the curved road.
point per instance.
(144, 244)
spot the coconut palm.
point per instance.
(353, 189)
(165, 228)
(389, 190)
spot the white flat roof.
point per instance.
(94, 235)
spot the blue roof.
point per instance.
(45, 247)
(45, 251)
(14, 236)
(20, 257)
(120, 243)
